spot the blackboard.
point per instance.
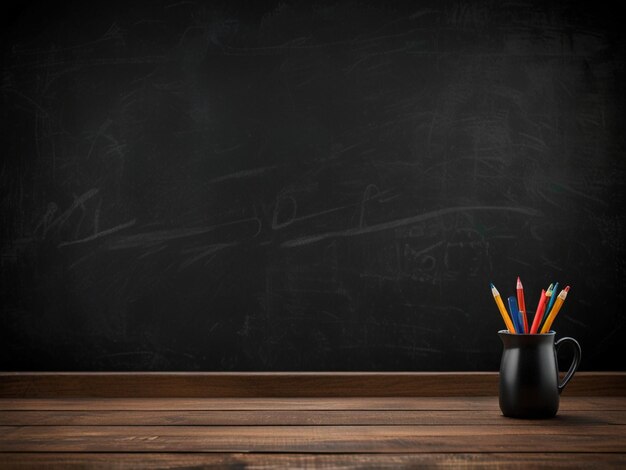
(306, 186)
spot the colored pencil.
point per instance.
(521, 303)
(519, 326)
(500, 304)
(555, 310)
(553, 297)
(538, 313)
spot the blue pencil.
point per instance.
(521, 321)
(519, 327)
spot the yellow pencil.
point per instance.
(555, 310)
(503, 312)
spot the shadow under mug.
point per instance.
(529, 374)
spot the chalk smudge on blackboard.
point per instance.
(402, 222)
(100, 234)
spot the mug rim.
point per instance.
(507, 332)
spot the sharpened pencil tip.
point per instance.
(566, 289)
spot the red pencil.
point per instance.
(521, 305)
(539, 313)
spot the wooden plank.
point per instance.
(313, 439)
(366, 461)
(353, 403)
(280, 384)
(295, 417)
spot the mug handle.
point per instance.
(574, 367)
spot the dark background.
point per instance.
(297, 186)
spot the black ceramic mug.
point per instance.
(529, 374)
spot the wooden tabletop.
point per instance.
(343, 431)
(330, 420)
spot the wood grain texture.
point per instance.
(294, 417)
(281, 384)
(312, 439)
(336, 461)
(341, 432)
(337, 403)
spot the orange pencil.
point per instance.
(503, 312)
(539, 313)
(521, 305)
